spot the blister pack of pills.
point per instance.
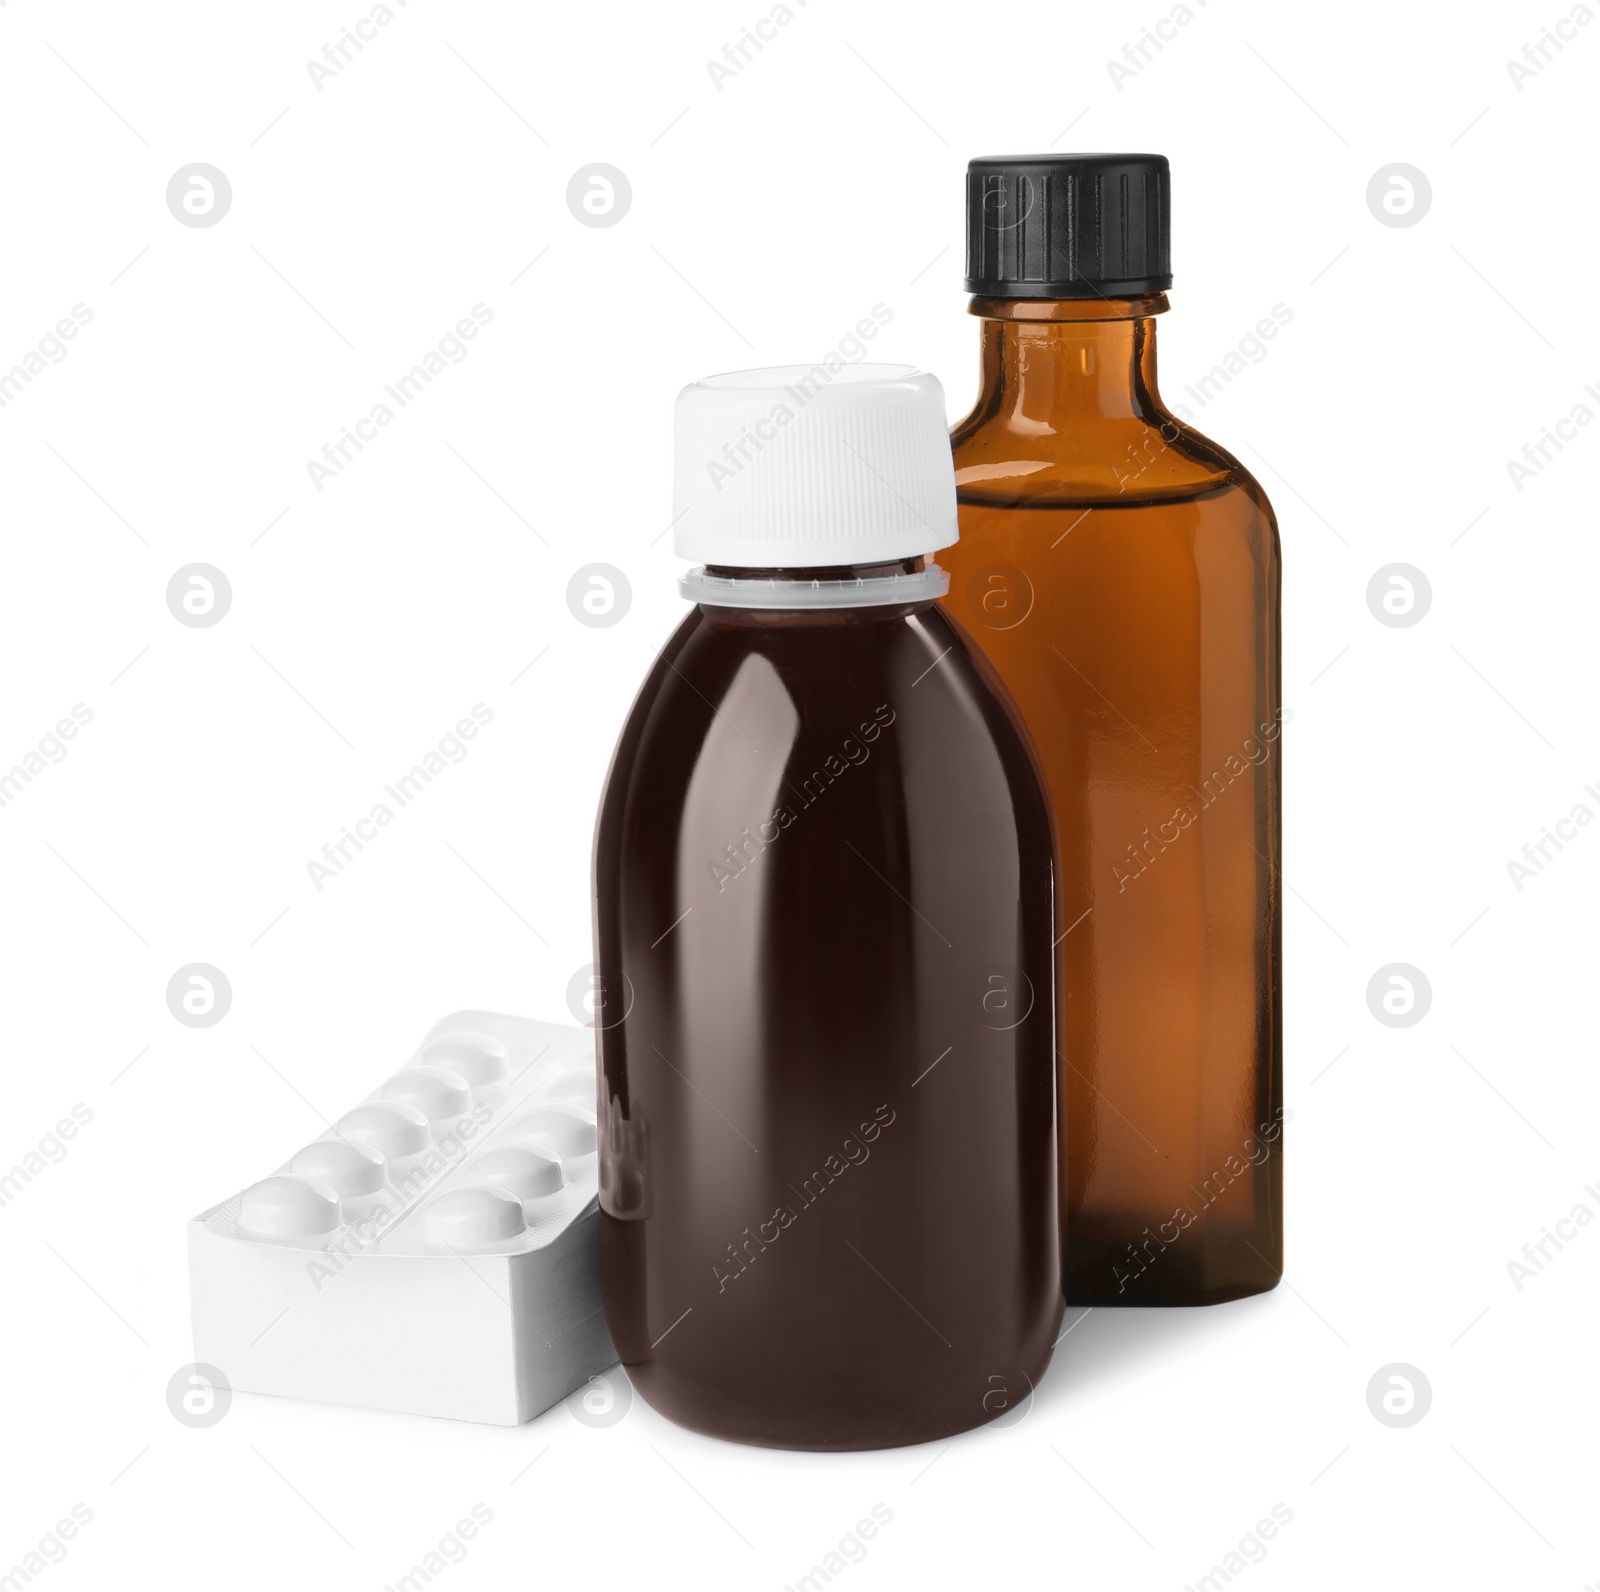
(435, 1251)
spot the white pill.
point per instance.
(568, 1130)
(289, 1207)
(348, 1167)
(436, 1092)
(475, 1057)
(576, 1086)
(469, 1218)
(526, 1172)
(389, 1126)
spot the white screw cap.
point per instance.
(804, 466)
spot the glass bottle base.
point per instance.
(1105, 1272)
(937, 1414)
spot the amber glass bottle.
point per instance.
(1122, 574)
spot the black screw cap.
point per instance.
(1068, 226)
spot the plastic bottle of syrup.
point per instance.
(824, 911)
(1122, 574)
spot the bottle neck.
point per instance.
(817, 590)
(821, 572)
(1058, 365)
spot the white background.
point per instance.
(768, 216)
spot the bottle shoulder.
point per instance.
(1101, 460)
(903, 723)
(813, 650)
(757, 685)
